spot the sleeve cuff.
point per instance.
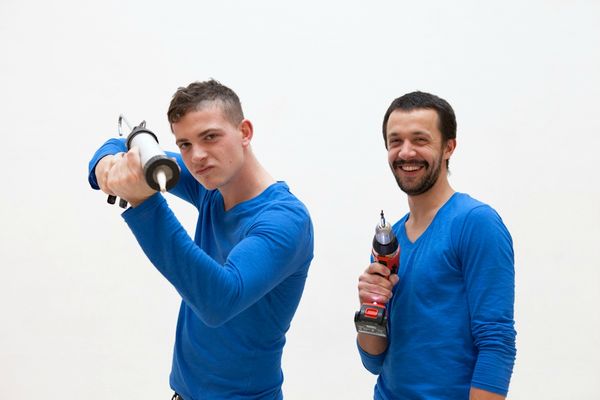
(493, 372)
(144, 209)
(372, 363)
(112, 146)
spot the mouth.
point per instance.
(409, 166)
(203, 170)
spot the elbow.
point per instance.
(499, 339)
(217, 303)
(214, 319)
(214, 314)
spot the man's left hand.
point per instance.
(126, 178)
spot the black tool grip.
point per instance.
(112, 199)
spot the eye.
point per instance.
(183, 146)
(211, 137)
(393, 142)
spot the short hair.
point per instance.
(421, 100)
(197, 94)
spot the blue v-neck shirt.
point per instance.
(451, 314)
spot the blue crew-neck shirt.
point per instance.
(240, 279)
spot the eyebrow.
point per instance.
(417, 133)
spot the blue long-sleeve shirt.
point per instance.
(451, 314)
(240, 280)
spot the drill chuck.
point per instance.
(385, 246)
(385, 249)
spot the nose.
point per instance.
(198, 154)
(406, 151)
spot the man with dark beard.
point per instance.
(451, 327)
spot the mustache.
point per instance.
(399, 163)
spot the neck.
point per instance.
(423, 207)
(249, 182)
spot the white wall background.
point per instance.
(83, 313)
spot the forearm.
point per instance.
(480, 394)
(218, 290)
(375, 284)
(198, 278)
(374, 345)
(373, 362)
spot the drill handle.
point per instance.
(390, 261)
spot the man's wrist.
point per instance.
(136, 202)
(372, 345)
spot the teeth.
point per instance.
(410, 168)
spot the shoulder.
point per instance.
(279, 201)
(464, 209)
(277, 209)
(282, 221)
(462, 202)
(476, 221)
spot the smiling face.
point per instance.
(212, 147)
(416, 152)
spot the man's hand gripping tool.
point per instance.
(372, 317)
(160, 171)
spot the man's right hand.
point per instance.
(375, 284)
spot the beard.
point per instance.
(422, 185)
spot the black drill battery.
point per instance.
(371, 319)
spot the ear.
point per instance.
(449, 148)
(247, 132)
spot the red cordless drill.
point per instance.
(372, 317)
